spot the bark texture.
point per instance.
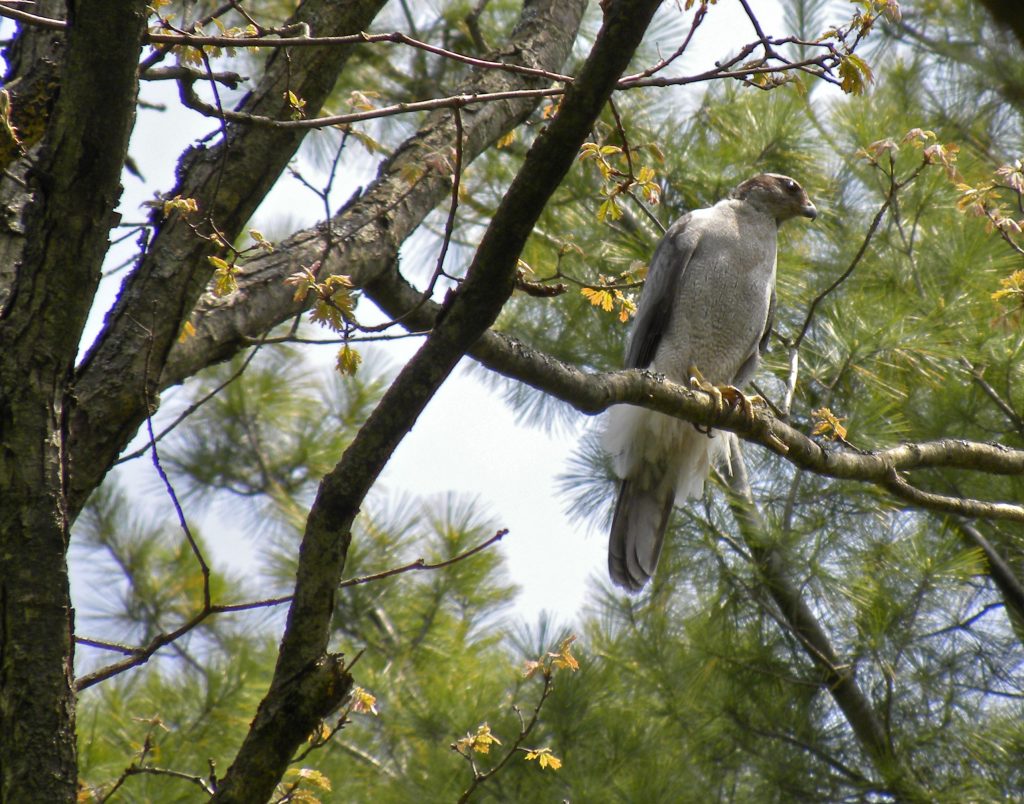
(118, 380)
(75, 185)
(469, 312)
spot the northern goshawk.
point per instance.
(704, 316)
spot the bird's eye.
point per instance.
(791, 185)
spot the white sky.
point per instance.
(467, 440)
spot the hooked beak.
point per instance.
(809, 211)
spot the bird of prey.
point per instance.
(703, 318)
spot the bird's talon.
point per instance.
(726, 395)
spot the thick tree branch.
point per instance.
(117, 381)
(75, 185)
(1001, 572)
(838, 677)
(477, 303)
(367, 232)
(594, 392)
(226, 325)
(1007, 14)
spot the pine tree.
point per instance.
(840, 616)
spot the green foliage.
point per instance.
(699, 685)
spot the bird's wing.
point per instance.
(762, 345)
(654, 309)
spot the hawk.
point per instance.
(704, 317)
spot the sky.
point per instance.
(468, 439)
(512, 467)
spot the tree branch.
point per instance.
(75, 185)
(1001, 572)
(264, 755)
(1007, 14)
(838, 677)
(222, 331)
(116, 381)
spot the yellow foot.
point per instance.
(722, 395)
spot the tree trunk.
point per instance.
(74, 184)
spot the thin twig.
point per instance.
(823, 63)
(965, 624)
(449, 225)
(524, 732)
(698, 18)
(421, 564)
(196, 405)
(135, 770)
(102, 644)
(890, 199)
(978, 376)
(141, 655)
(192, 543)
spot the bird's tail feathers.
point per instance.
(638, 532)
(661, 461)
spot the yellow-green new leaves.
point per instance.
(560, 660)
(855, 74)
(225, 274)
(1012, 176)
(828, 425)
(186, 206)
(260, 241)
(363, 702)
(870, 10)
(563, 659)
(617, 172)
(608, 296)
(335, 302)
(334, 307)
(292, 789)
(480, 741)
(998, 200)
(1012, 288)
(296, 104)
(348, 361)
(225, 279)
(192, 55)
(925, 141)
(544, 758)
(607, 299)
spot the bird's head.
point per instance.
(779, 196)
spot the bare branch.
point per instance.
(204, 568)
(872, 228)
(838, 677)
(421, 564)
(978, 375)
(1000, 570)
(151, 770)
(470, 311)
(141, 655)
(963, 506)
